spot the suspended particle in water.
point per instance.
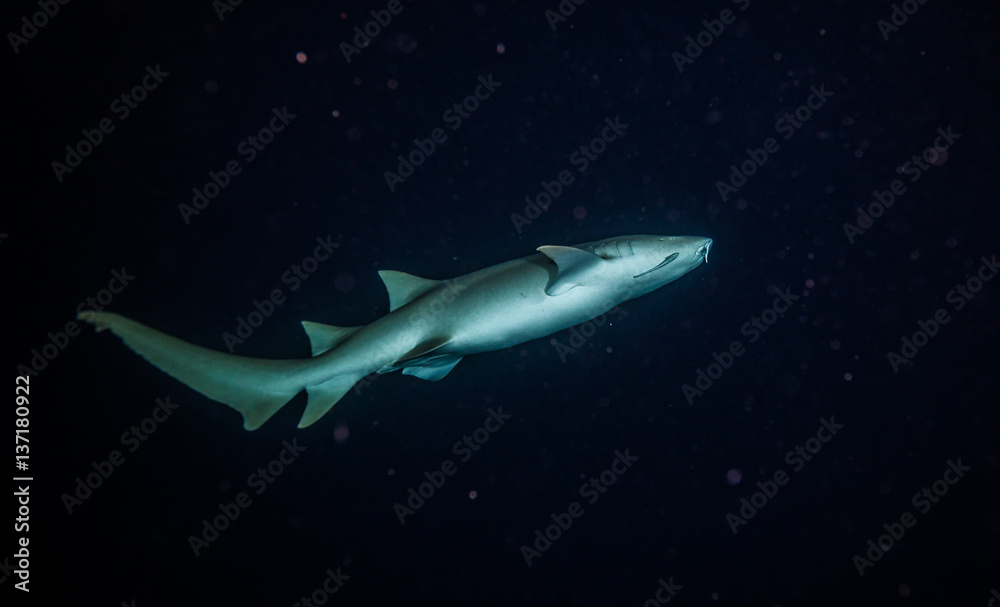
(344, 282)
(940, 156)
(405, 43)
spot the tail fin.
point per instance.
(255, 387)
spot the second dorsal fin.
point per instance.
(404, 288)
(326, 337)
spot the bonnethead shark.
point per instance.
(431, 324)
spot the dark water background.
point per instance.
(323, 175)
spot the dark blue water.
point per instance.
(760, 432)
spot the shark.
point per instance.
(431, 325)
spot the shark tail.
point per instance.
(255, 387)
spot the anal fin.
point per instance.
(421, 362)
(322, 397)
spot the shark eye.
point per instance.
(660, 265)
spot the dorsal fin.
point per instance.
(404, 288)
(326, 337)
(573, 266)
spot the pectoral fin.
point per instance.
(418, 355)
(433, 368)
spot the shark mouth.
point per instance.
(705, 249)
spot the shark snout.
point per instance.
(703, 250)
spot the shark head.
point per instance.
(638, 264)
(675, 256)
(652, 261)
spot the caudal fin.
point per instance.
(255, 387)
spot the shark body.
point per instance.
(431, 324)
